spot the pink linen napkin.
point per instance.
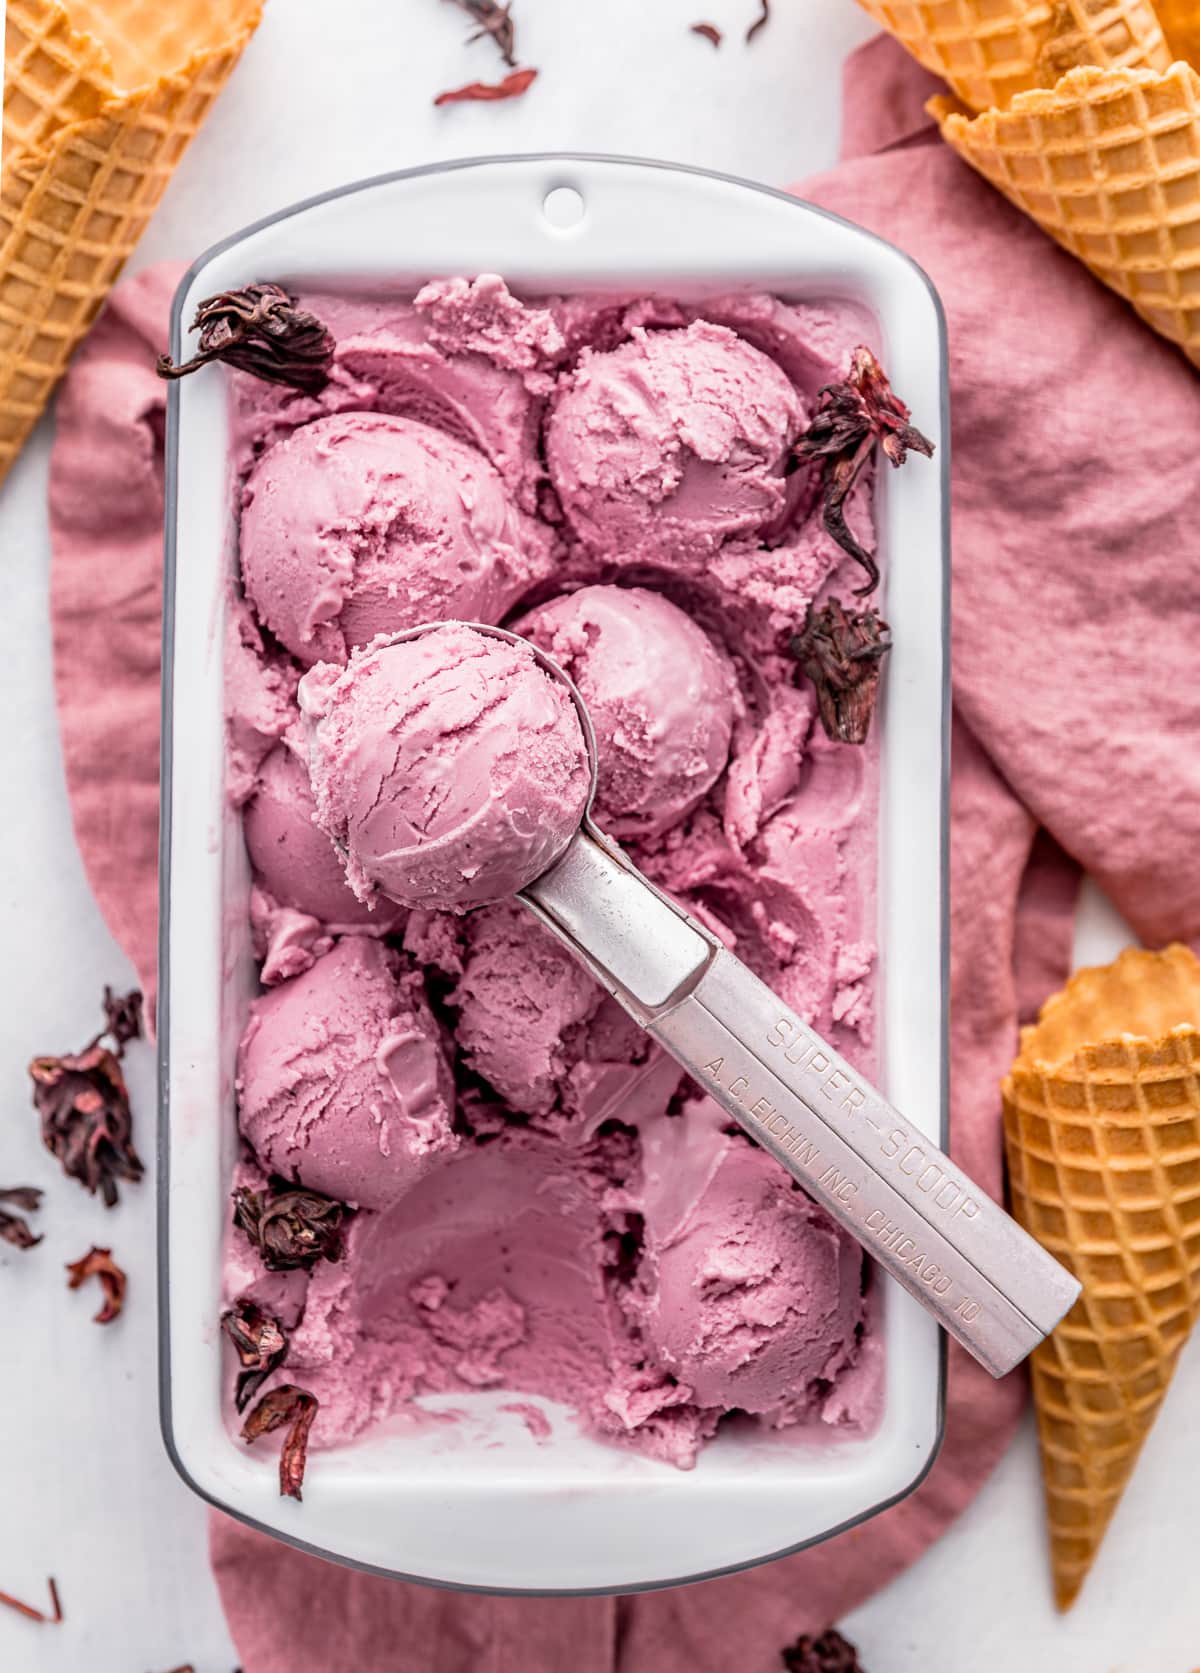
(1077, 697)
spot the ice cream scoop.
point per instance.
(938, 1234)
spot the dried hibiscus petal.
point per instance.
(829, 1653)
(98, 1263)
(852, 416)
(86, 1121)
(709, 31)
(297, 1407)
(486, 92)
(260, 1344)
(290, 1227)
(494, 20)
(14, 1228)
(841, 654)
(259, 330)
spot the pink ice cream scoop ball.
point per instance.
(361, 523)
(676, 440)
(754, 1295)
(342, 1080)
(292, 857)
(450, 769)
(660, 694)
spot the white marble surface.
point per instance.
(87, 1492)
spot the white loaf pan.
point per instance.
(438, 1501)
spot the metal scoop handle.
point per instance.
(940, 1236)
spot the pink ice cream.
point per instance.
(360, 524)
(343, 1083)
(749, 1293)
(672, 443)
(660, 695)
(450, 768)
(541, 1205)
(293, 859)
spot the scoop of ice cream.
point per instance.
(450, 768)
(362, 523)
(294, 860)
(660, 695)
(752, 1295)
(675, 440)
(342, 1080)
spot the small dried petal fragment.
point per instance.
(259, 330)
(830, 1653)
(709, 31)
(13, 1228)
(761, 21)
(260, 1345)
(290, 1227)
(485, 92)
(86, 1120)
(123, 1017)
(841, 654)
(32, 1614)
(287, 1404)
(494, 20)
(851, 417)
(98, 1263)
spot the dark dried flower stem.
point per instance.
(494, 20)
(259, 330)
(32, 1614)
(761, 21)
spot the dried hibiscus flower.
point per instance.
(98, 1263)
(289, 1226)
(852, 416)
(260, 1345)
(830, 1653)
(494, 20)
(487, 92)
(259, 330)
(709, 31)
(287, 1404)
(14, 1228)
(841, 654)
(83, 1103)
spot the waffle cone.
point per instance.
(1108, 163)
(1102, 1131)
(990, 50)
(100, 100)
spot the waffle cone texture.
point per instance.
(101, 98)
(1102, 1133)
(1086, 115)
